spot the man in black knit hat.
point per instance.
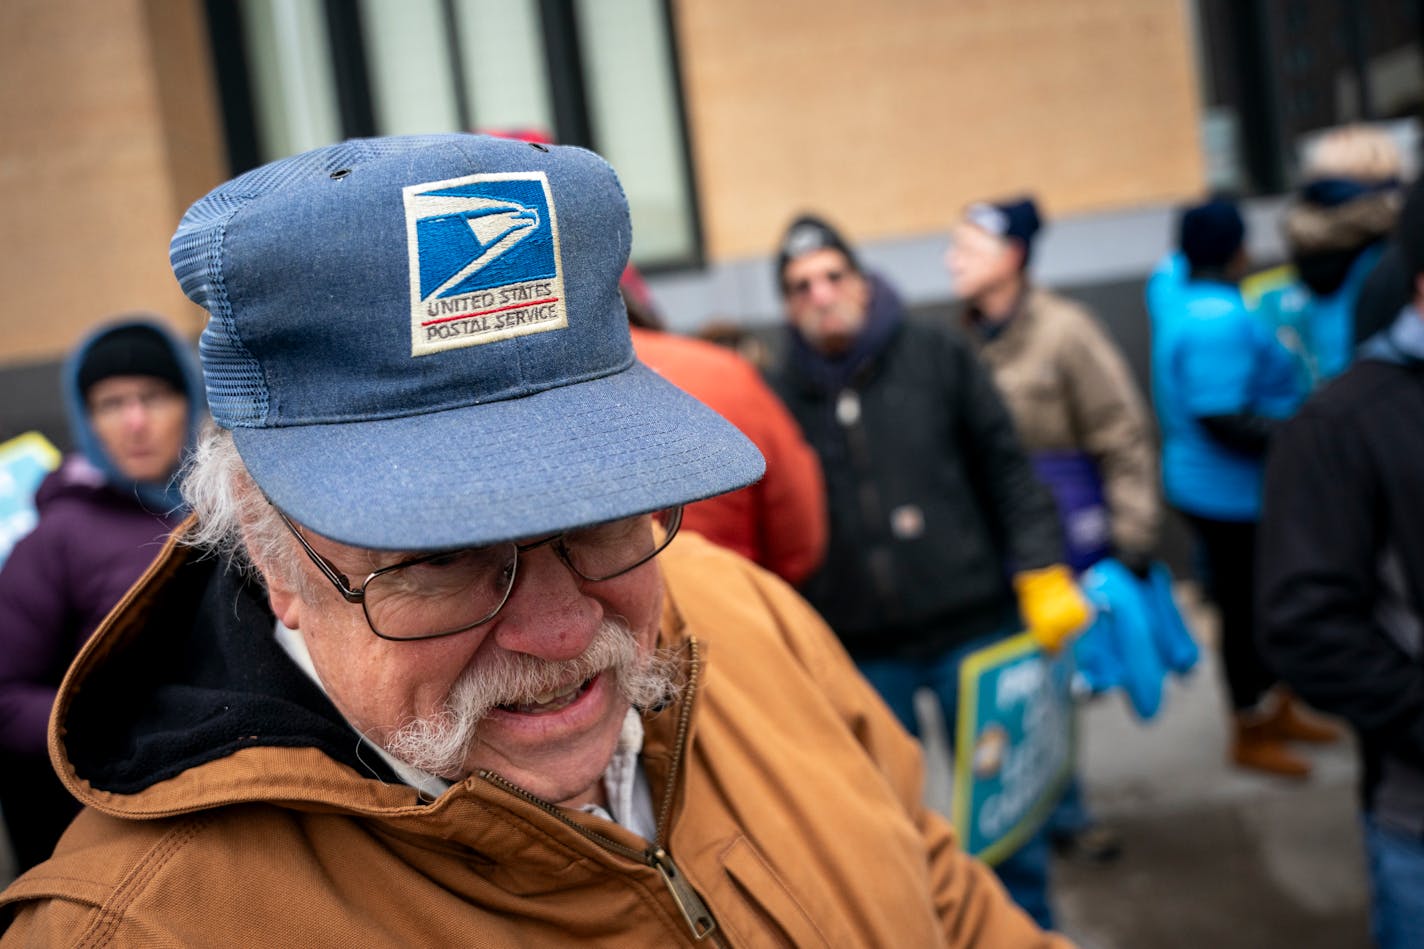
(942, 539)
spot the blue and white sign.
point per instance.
(1013, 748)
(484, 260)
(24, 462)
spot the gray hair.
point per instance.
(234, 518)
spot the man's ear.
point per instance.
(285, 601)
(1018, 253)
(862, 295)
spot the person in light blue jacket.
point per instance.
(1222, 383)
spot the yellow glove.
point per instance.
(1052, 606)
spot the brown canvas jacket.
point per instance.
(1068, 388)
(789, 802)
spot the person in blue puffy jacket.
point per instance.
(1222, 383)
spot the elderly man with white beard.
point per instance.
(431, 663)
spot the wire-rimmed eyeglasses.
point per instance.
(449, 592)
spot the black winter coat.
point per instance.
(1341, 571)
(933, 503)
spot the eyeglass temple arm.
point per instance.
(337, 578)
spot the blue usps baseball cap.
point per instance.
(418, 343)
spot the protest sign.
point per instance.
(1013, 747)
(24, 461)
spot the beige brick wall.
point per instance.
(890, 116)
(108, 130)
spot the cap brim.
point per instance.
(579, 454)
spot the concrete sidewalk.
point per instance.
(1214, 856)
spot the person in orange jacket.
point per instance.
(779, 522)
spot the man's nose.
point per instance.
(548, 614)
(822, 291)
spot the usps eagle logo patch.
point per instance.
(484, 260)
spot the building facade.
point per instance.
(724, 118)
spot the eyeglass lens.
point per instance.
(451, 592)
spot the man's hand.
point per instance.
(1052, 606)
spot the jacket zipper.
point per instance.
(694, 911)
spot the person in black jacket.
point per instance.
(942, 539)
(1341, 600)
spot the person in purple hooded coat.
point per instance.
(134, 398)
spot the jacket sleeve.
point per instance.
(793, 519)
(1017, 504)
(1319, 552)
(1243, 432)
(973, 906)
(1111, 418)
(35, 625)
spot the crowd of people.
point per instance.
(546, 623)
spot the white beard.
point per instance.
(440, 743)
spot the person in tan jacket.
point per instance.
(1078, 413)
(449, 683)
(1074, 402)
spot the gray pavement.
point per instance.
(1214, 857)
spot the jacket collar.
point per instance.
(827, 374)
(1401, 343)
(1014, 326)
(167, 712)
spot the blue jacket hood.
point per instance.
(159, 497)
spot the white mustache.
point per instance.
(440, 743)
